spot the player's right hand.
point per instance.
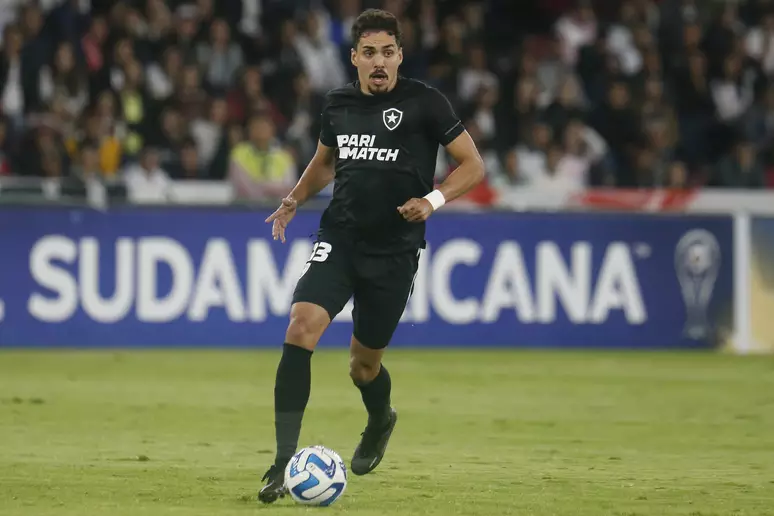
(282, 217)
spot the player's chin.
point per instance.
(378, 84)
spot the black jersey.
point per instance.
(386, 149)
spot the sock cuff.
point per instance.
(380, 377)
(295, 351)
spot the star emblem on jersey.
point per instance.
(391, 118)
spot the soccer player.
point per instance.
(378, 143)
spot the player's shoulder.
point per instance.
(416, 88)
(342, 95)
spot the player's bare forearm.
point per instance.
(468, 174)
(470, 171)
(317, 175)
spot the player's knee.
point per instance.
(361, 371)
(307, 324)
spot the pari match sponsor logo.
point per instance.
(363, 147)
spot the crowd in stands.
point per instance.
(559, 94)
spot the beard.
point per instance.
(377, 89)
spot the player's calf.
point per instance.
(373, 380)
(291, 390)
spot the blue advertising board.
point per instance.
(177, 277)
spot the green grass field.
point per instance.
(480, 433)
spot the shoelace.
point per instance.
(371, 437)
(270, 473)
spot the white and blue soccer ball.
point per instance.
(316, 475)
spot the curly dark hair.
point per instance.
(376, 20)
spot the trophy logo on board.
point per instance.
(697, 261)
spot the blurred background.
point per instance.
(559, 94)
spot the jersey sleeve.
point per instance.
(443, 123)
(327, 136)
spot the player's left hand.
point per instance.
(416, 210)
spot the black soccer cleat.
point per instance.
(370, 451)
(275, 485)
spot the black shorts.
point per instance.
(380, 285)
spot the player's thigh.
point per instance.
(382, 290)
(325, 286)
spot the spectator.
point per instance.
(484, 114)
(159, 25)
(415, 59)
(447, 57)
(36, 54)
(109, 123)
(560, 172)
(678, 176)
(5, 161)
(567, 105)
(741, 168)
(171, 139)
(587, 148)
(64, 80)
(187, 26)
(13, 98)
(87, 165)
(249, 98)
(621, 39)
(123, 56)
(760, 43)
(575, 30)
(694, 107)
(486, 150)
(208, 133)
(189, 166)
(618, 124)
(259, 168)
(319, 56)
(591, 68)
(533, 152)
(732, 93)
(475, 75)
(135, 108)
(146, 182)
(89, 171)
(163, 77)
(92, 48)
(758, 124)
(302, 111)
(190, 96)
(220, 58)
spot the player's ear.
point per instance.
(352, 55)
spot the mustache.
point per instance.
(379, 74)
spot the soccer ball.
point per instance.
(316, 475)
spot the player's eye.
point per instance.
(368, 53)
(388, 53)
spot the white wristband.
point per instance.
(436, 199)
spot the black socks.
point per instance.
(376, 398)
(291, 394)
